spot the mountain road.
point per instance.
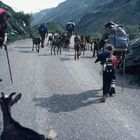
(62, 94)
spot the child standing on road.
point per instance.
(109, 63)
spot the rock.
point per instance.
(133, 58)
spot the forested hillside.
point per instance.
(19, 24)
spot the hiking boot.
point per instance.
(106, 95)
(110, 95)
(112, 91)
(103, 99)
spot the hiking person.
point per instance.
(4, 17)
(116, 36)
(109, 63)
(43, 31)
(70, 27)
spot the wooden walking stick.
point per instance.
(8, 63)
(123, 70)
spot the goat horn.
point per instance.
(12, 94)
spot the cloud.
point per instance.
(31, 5)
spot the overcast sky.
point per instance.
(30, 6)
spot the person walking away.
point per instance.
(43, 31)
(4, 17)
(70, 27)
(109, 63)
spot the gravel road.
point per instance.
(64, 95)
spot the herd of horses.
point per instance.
(61, 41)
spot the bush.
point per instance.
(133, 31)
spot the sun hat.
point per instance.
(2, 10)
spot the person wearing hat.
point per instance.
(4, 17)
(109, 63)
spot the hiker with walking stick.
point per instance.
(4, 17)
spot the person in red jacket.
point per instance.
(109, 63)
(4, 17)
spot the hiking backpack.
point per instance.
(118, 37)
(109, 64)
(70, 26)
(42, 29)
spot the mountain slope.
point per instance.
(91, 15)
(68, 10)
(121, 11)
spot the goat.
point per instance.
(89, 41)
(83, 43)
(66, 41)
(50, 38)
(12, 130)
(77, 47)
(36, 43)
(56, 43)
(96, 46)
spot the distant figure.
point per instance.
(43, 31)
(4, 17)
(70, 27)
(109, 63)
